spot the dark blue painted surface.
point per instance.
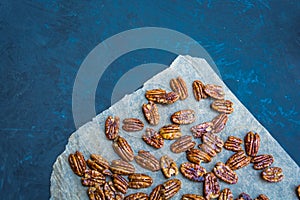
(255, 44)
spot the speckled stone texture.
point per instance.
(255, 45)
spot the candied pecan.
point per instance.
(138, 181)
(112, 127)
(252, 143)
(109, 190)
(77, 163)
(123, 149)
(153, 138)
(198, 90)
(137, 196)
(298, 191)
(156, 193)
(168, 166)
(120, 183)
(214, 91)
(132, 125)
(97, 162)
(151, 114)
(182, 144)
(161, 96)
(121, 167)
(201, 129)
(170, 132)
(213, 141)
(208, 149)
(192, 171)
(226, 194)
(224, 173)
(146, 160)
(197, 156)
(170, 188)
(92, 178)
(211, 187)
(95, 193)
(262, 161)
(192, 197)
(244, 196)
(233, 144)
(219, 123)
(183, 117)
(262, 197)
(238, 160)
(222, 106)
(178, 85)
(272, 174)
(107, 172)
(171, 97)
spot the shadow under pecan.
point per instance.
(77, 163)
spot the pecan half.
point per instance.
(262, 197)
(137, 196)
(214, 91)
(121, 167)
(92, 178)
(95, 193)
(224, 173)
(132, 125)
(182, 144)
(77, 163)
(233, 144)
(219, 123)
(97, 162)
(168, 166)
(226, 194)
(178, 85)
(244, 196)
(211, 187)
(262, 161)
(170, 188)
(192, 171)
(208, 149)
(252, 143)
(156, 193)
(123, 149)
(151, 114)
(272, 174)
(213, 141)
(192, 197)
(198, 90)
(153, 138)
(197, 156)
(298, 191)
(112, 127)
(161, 96)
(109, 190)
(222, 106)
(201, 129)
(183, 117)
(171, 97)
(146, 160)
(120, 183)
(238, 160)
(137, 181)
(170, 132)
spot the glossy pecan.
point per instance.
(197, 156)
(148, 161)
(178, 85)
(168, 166)
(92, 178)
(109, 190)
(238, 160)
(171, 97)
(212, 140)
(77, 163)
(219, 123)
(137, 181)
(222, 106)
(224, 173)
(262, 161)
(198, 90)
(137, 196)
(170, 132)
(214, 91)
(252, 143)
(209, 149)
(226, 194)
(262, 197)
(272, 174)
(112, 127)
(97, 162)
(193, 171)
(233, 144)
(298, 191)
(192, 197)
(161, 96)
(170, 188)
(151, 114)
(153, 138)
(182, 144)
(200, 129)
(120, 183)
(121, 167)
(95, 193)
(244, 196)
(183, 117)
(132, 125)
(211, 187)
(123, 149)
(156, 193)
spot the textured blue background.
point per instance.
(255, 44)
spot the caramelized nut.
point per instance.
(120, 183)
(121, 167)
(123, 149)
(97, 162)
(252, 143)
(170, 132)
(226, 194)
(170, 188)
(192, 197)
(192, 171)
(146, 160)
(238, 160)
(77, 163)
(156, 193)
(153, 138)
(198, 90)
(183, 117)
(178, 85)
(222, 106)
(132, 125)
(214, 91)
(168, 166)
(224, 173)
(272, 174)
(219, 123)
(137, 196)
(233, 144)
(151, 114)
(197, 156)
(182, 144)
(138, 181)
(211, 186)
(112, 127)
(92, 178)
(262, 161)
(200, 129)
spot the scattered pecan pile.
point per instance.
(107, 180)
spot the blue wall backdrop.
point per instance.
(255, 44)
